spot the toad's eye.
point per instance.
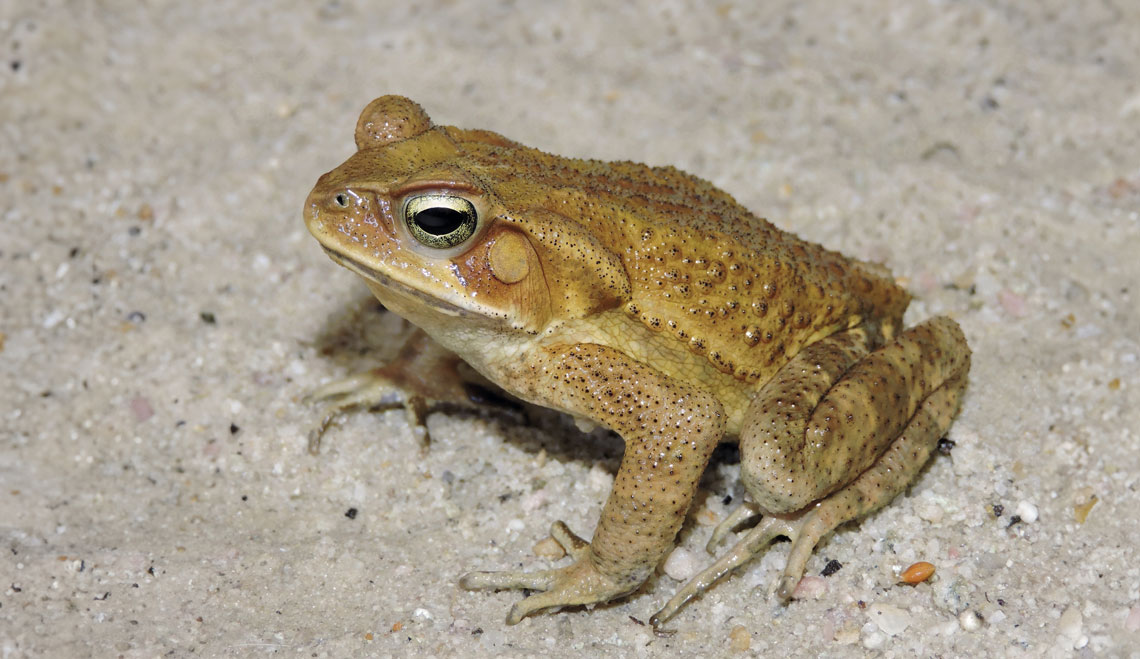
(440, 220)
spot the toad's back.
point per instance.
(704, 270)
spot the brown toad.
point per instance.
(650, 302)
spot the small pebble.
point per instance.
(889, 618)
(740, 640)
(534, 500)
(847, 634)
(1132, 622)
(1085, 501)
(874, 640)
(53, 318)
(706, 517)
(598, 480)
(141, 408)
(917, 573)
(682, 564)
(930, 512)
(1012, 303)
(1069, 628)
(1026, 511)
(951, 593)
(831, 568)
(810, 587)
(969, 620)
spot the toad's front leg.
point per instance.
(422, 375)
(669, 429)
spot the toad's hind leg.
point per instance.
(836, 435)
(874, 488)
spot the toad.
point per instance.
(648, 301)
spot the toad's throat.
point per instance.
(380, 279)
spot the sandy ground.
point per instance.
(163, 310)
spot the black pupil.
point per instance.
(440, 220)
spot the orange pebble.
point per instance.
(917, 573)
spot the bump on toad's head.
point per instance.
(390, 119)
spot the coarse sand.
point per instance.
(163, 311)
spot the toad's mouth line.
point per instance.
(400, 288)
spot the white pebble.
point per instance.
(598, 480)
(846, 635)
(1069, 627)
(1132, 622)
(874, 640)
(53, 318)
(534, 500)
(682, 564)
(969, 620)
(810, 587)
(1026, 511)
(889, 618)
(929, 511)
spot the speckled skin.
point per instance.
(649, 301)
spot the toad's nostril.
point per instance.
(341, 200)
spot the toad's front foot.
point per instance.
(422, 376)
(373, 390)
(581, 582)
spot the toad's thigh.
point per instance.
(828, 415)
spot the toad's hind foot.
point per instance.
(889, 476)
(581, 582)
(753, 542)
(736, 518)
